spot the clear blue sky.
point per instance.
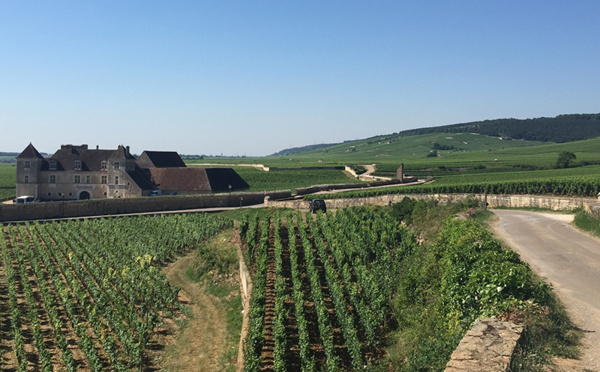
(254, 77)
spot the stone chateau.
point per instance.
(77, 172)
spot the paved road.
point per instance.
(569, 259)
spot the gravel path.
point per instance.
(569, 259)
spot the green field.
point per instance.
(290, 179)
(8, 179)
(470, 153)
(470, 150)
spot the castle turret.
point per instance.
(29, 165)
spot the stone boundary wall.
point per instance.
(488, 346)
(275, 169)
(318, 188)
(103, 207)
(493, 201)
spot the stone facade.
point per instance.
(77, 173)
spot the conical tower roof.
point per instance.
(30, 153)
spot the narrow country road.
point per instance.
(568, 259)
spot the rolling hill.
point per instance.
(560, 129)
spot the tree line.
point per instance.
(559, 129)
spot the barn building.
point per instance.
(77, 172)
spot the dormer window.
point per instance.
(77, 164)
(103, 165)
(52, 164)
(116, 165)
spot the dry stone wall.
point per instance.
(103, 207)
(488, 346)
(493, 201)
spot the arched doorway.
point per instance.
(84, 195)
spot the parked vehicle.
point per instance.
(25, 199)
(317, 205)
(156, 193)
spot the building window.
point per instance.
(88, 179)
(77, 164)
(53, 178)
(52, 164)
(103, 165)
(104, 179)
(26, 179)
(116, 180)
(116, 165)
(77, 179)
(27, 164)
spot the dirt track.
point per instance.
(200, 353)
(569, 259)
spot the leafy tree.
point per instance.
(437, 146)
(403, 210)
(564, 159)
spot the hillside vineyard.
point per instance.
(89, 295)
(321, 288)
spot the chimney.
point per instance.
(97, 147)
(127, 150)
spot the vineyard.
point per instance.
(585, 186)
(89, 295)
(352, 290)
(322, 288)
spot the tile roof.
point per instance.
(30, 153)
(142, 178)
(160, 159)
(190, 180)
(221, 178)
(91, 160)
(121, 153)
(184, 180)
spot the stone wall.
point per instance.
(318, 188)
(493, 201)
(102, 207)
(488, 346)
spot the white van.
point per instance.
(25, 199)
